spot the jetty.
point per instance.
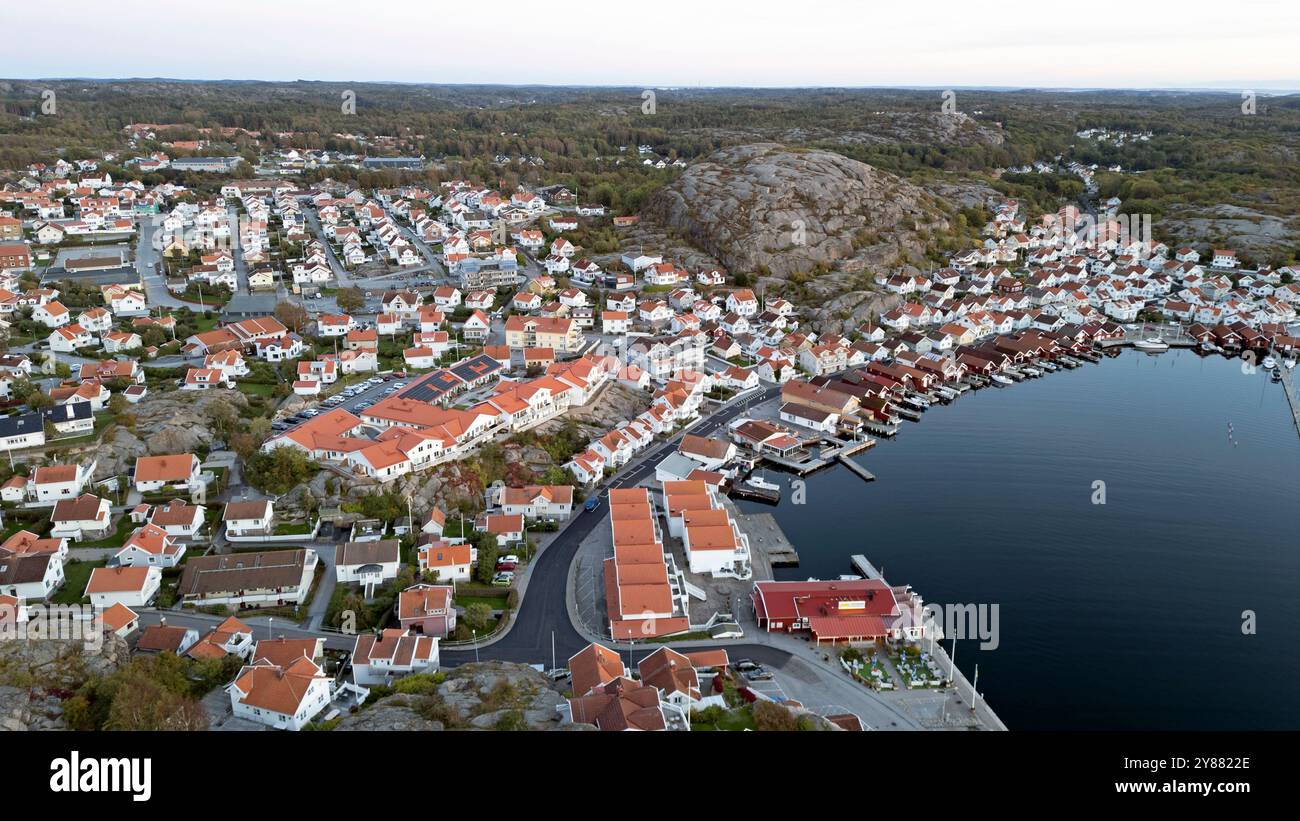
(865, 568)
(866, 476)
(769, 545)
(830, 449)
(862, 472)
(740, 490)
(1288, 387)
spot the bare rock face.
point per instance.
(773, 210)
(35, 676)
(492, 695)
(165, 423)
(397, 713)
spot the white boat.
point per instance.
(1002, 380)
(1030, 370)
(762, 484)
(1290, 363)
(1153, 344)
(1269, 363)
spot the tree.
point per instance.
(488, 550)
(279, 471)
(350, 300)
(478, 616)
(39, 400)
(293, 315)
(768, 715)
(223, 419)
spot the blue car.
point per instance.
(592, 503)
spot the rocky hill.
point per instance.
(35, 676)
(493, 695)
(164, 423)
(813, 219)
(769, 209)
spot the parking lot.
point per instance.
(354, 399)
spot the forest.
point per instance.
(1203, 150)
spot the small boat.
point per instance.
(1030, 370)
(1050, 367)
(1290, 363)
(762, 484)
(1208, 346)
(999, 379)
(1152, 344)
(1269, 363)
(1276, 375)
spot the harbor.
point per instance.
(1048, 443)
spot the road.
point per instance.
(544, 611)
(146, 258)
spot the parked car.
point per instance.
(504, 565)
(503, 579)
(592, 503)
(759, 675)
(745, 665)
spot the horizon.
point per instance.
(833, 44)
(1013, 88)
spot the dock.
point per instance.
(862, 472)
(865, 568)
(829, 450)
(1288, 387)
(740, 490)
(769, 546)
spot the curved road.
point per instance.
(545, 609)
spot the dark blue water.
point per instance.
(1125, 615)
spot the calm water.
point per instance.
(1125, 615)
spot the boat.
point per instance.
(1269, 363)
(1276, 375)
(999, 379)
(1030, 370)
(1208, 346)
(1050, 367)
(1152, 344)
(762, 484)
(1290, 363)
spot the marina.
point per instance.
(1149, 428)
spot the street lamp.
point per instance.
(474, 633)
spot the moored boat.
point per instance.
(999, 379)
(1152, 344)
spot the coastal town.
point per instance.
(438, 431)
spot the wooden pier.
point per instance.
(768, 544)
(862, 472)
(865, 568)
(1288, 387)
(740, 490)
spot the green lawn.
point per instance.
(257, 388)
(495, 602)
(76, 576)
(739, 719)
(116, 538)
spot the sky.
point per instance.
(1238, 45)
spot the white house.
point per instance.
(394, 653)
(282, 697)
(129, 586)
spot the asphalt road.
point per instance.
(544, 611)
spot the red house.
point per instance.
(427, 608)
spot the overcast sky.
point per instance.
(1242, 44)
